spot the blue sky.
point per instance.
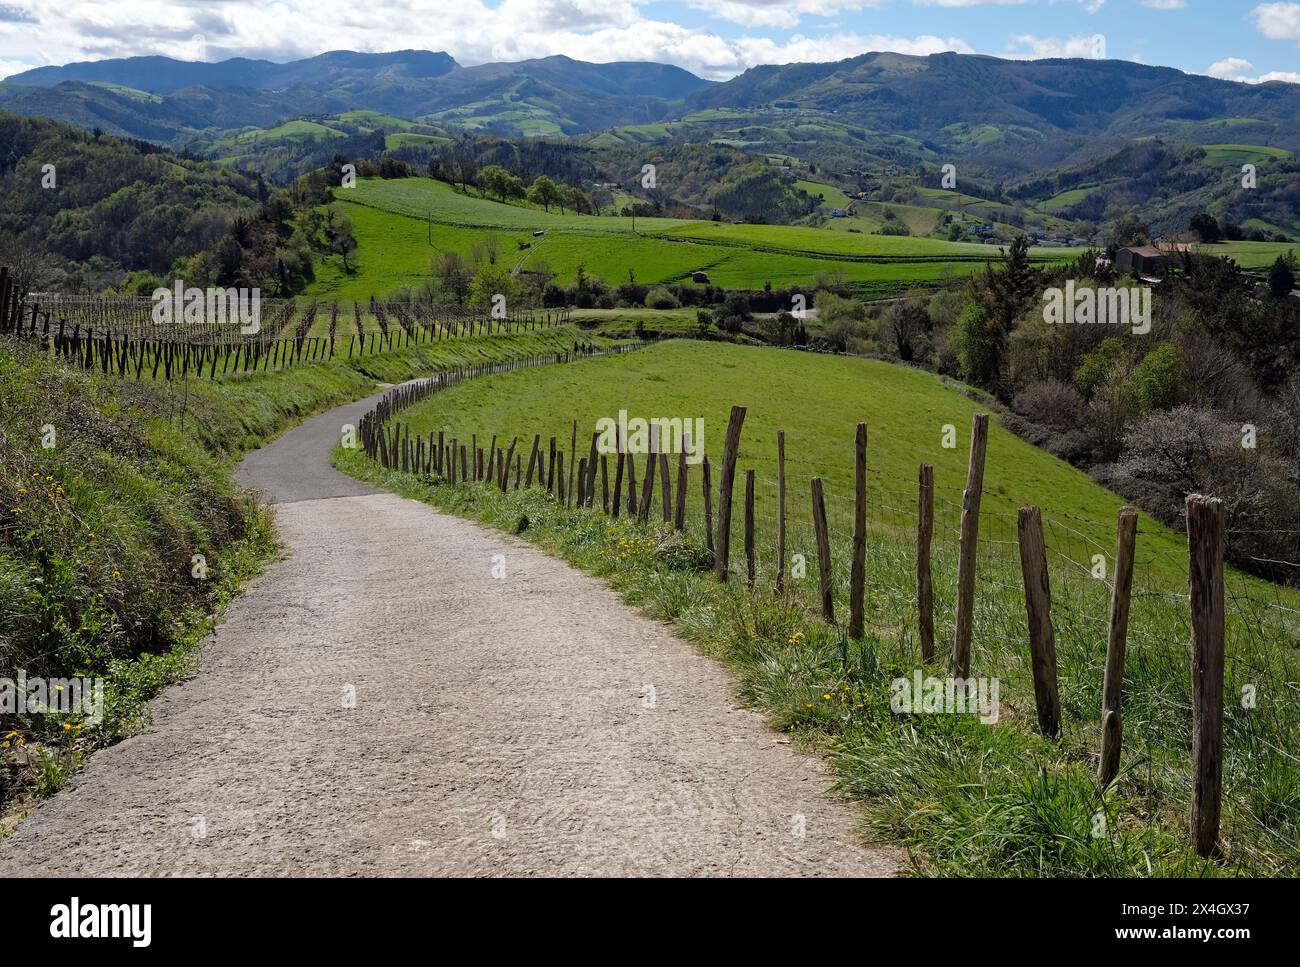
(1235, 39)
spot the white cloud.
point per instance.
(1240, 69)
(470, 30)
(780, 14)
(1165, 4)
(1278, 21)
(1022, 46)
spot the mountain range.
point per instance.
(1006, 118)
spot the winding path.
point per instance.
(530, 725)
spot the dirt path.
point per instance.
(530, 725)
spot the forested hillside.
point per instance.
(85, 211)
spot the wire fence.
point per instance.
(1260, 641)
(128, 336)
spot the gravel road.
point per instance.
(379, 704)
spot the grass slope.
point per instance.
(98, 532)
(968, 798)
(401, 223)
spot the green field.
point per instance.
(401, 223)
(1241, 154)
(807, 395)
(966, 798)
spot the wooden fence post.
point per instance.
(1112, 699)
(532, 459)
(573, 459)
(590, 489)
(780, 511)
(706, 476)
(666, 486)
(618, 481)
(631, 485)
(749, 526)
(858, 568)
(924, 578)
(1205, 525)
(1038, 605)
(970, 526)
(648, 484)
(722, 555)
(823, 549)
(679, 517)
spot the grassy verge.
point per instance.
(122, 534)
(964, 796)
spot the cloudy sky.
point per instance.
(1237, 39)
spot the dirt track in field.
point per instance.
(379, 704)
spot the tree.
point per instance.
(1281, 277)
(576, 199)
(454, 277)
(980, 343)
(544, 192)
(1206, 226)
(28, 265)
(501, 183)
(1158, 378)
(906, 323)
(489, 282)
(842, 320)
(342, 241)
(1127, 230)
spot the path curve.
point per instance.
(531, 725)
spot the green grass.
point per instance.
(1240, 154)
(98, 534)
(391, 220)
(965, 798)
(1252, 255)
(906, 411)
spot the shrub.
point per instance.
(1158, 378)
(1052, 403)
(660, 298)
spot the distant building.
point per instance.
(841, 212)
(1141, 260)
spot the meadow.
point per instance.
(401, 223)
(964, 797)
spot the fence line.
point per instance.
(118, 335)
(1069, 604)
